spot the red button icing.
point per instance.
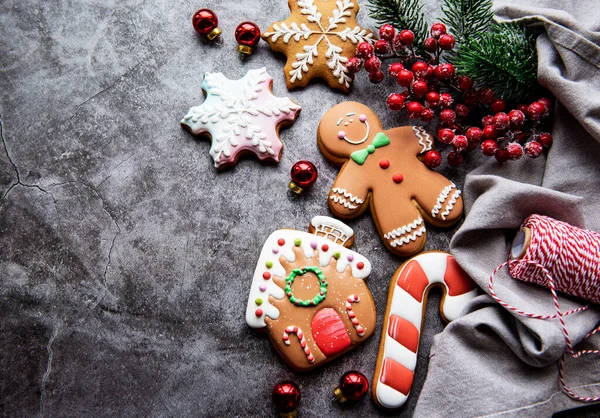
(384, 164)
(398, 177)
(325, 247)
(266, 275)
(360, 265)
(281, 242)
(258, 312)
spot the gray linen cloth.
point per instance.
(492, 362)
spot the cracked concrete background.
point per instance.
(125, 258)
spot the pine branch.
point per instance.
(467, 19)
(402, 14)
(503, 59)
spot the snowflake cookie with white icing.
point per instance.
(241, 116)
(381, 171)
(309, 293)
(318, 38)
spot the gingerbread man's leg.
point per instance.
(400, 225)
(440, 205)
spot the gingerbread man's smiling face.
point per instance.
(347, 127)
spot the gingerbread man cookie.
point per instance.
(381, 171)
(241, 116)
(318, 38)
(403, 319)
(310, 295)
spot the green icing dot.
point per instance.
(269, 264)
(337, 255)
(297, 242)
(258, 301)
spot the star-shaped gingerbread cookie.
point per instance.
(241, 116)
(318, 38)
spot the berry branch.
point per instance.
(400, 14)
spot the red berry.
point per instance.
(446, 42)
(387, 32)
(487, 120)
(433, 99)
(407, 37)
(501, 155)
(414, 109)
(460, 142)
(405, 78)
(454, 158)
(430, 44)
(489, 147)
(501, 121)
(432, 159)
(447, 116)
(536, 110)
(547, 103)
(382, 47)
(429, 73)
(373, 64)
(445, 136)
(446, 100)
(419, 68)
(461, 110)
(444, 71)
(427, 115)
(515, 150)
(395, 68)
(354, 64)
(489, 132)
(364, 50)
(517, 118)
(395, 101)
(471, 97)
(486, 96)
(545, 139)
(522, 107)
(438, 29)
(533, 149)
(498, 105)
(465, 83)
(376, 77)
(419, 88)
(474, 134)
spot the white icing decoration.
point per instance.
(332, 228)
(450, 204)
(402, 304)
(345, 138)
(404, 229)
(298, 32)
(441, 198)
(408, 238)
(277, 269)
(426, 141)
(346, 199)
(240, 115)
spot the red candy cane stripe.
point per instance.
(349, 301)
(300, 335)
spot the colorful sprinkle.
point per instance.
(262, 288)
(325, 247)
(266, 275)
(258, 301)
(337, 255)
(258, 312)
(384, 164)
(362, 118)
(313, 245)
(297, 242)
(360, 265)
(269, 264)
(341, 134)
(281, 242)
(275, 250)
(350, 257)
(398, 177)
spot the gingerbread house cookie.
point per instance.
(309, 294)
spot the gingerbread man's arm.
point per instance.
(440, 202)
(349, 194)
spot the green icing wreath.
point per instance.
(322, 286)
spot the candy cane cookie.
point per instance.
(403, 320)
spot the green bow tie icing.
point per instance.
(360, 156)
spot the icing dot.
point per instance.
(325, 247)
(297, 242)
(262, 288)
(371, 149)
(362, 118)
(384, 164)
(337, 255)
(258, 301)
(280, 242)
(360, 265)
(266, 275)
(313, 245)
(258, 312)
(397, 177)
(341, 134)
(350, 257)
(275, 250)
(269, 264)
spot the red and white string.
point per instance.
(573, 270)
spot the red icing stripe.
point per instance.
(457, 280)
(403, 332)
(413, 280)
(396, 376)
(329, 332)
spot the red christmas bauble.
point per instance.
(286, 397)
(353, 386)
(247, 35)
(304, 174)
(206, 22)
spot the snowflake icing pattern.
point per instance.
(332, 35)
(241, 116)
